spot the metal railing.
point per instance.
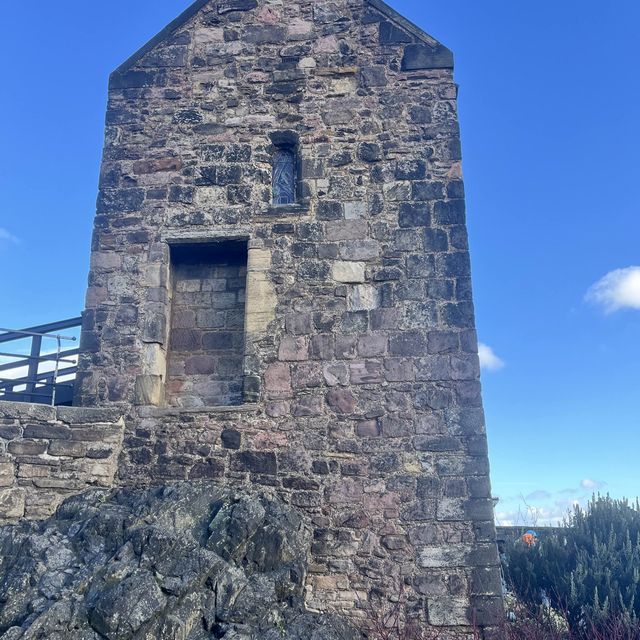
(47, 374)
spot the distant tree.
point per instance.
(589, 568)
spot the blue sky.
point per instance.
(549, 113)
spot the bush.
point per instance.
(589, 569)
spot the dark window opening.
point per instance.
(206, 345)
(284, 185)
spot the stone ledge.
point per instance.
(285, 210)
(85, 415)
(70, 415)
(156, 412)
(26, 410)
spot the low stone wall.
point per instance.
(49, 453)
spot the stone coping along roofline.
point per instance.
(379, 5)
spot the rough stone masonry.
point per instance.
(334, 358)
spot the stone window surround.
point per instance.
(259, 311)
(290, 141)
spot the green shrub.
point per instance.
(589, 568)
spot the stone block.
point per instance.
(433, 368)
(10, 431)
(26, 412)
(437, 443)
(414, 215)
(97, 432)
(346, 230)
(372, 345)
(64, 484)
(395, 427)
(348, 272)
(431, 585)
(87, 415)
(48, 431)
(370, 152)
(7, 474)
(120, 201)
(347, 491)
(444, 557)
(435, 240)
(336, 374)
(12, 504)
(268, 34)
(486, 581)
(363, 297)
(226, 6)
(155, 328)
(449, 611)
(99, 452)
(207, 470)
(488, 610)
(391, 34)
(231, 439)
(427, 191)
(149, 390)
(357, 250)
(255, 462)
(330, 210)
(398, 370)
(293, 350)
(408, 343)
(367, 372)
(67, 449)
(27, 447)
(136, 79)
(374, 76)
(424, 56)
(299, 324)
(277, 380)
(420, 115)
(368, 429)
(341, 401)
(218, 340)
(355, 210)
(322, 347)
(307, 406)
(451, 212)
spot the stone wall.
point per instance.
(48, 454)
(390, 501)
(360, 370)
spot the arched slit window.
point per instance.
(284, 176)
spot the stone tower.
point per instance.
(280, 290)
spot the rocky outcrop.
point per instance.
(180, 562)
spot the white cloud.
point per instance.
(489, 361)
(545, 508)
(9, 237)
(592, 485)
(619, 289)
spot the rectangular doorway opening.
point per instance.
(206, 342)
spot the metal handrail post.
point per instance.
(34, 364)
(55, 373)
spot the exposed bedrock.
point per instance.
(179, 562)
